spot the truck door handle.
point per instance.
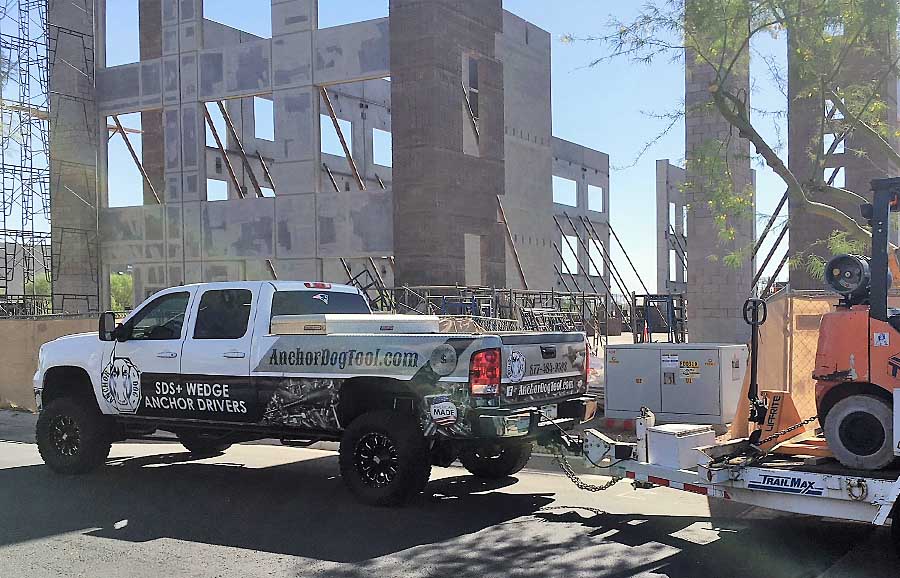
(167, 354)
(548, 351)
(234, 354)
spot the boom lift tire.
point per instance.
(384, 458)
(496, 461)
(859, 430)
(73, 437)
(202, 444)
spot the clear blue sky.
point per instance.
(606, 107)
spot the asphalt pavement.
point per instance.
(264, 510)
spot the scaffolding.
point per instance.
(25, 265)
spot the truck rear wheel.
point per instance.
(494, 461)
(73, 437)
(859, 431)
(202, 444)
(384, 459)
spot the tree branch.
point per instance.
(857, 122)
(735, 112)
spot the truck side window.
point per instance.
(162, 318)
(223, 314)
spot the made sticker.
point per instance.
(443, 411)
(670, 361)
(881, 339)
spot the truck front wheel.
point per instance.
(384, 459)
(859, 431)
(494, 461)
(73, 437)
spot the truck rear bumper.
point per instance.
(526, 422)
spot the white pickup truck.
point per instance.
(220, 363)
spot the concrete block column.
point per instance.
(74, 142)
(715, 291)
(446, 228)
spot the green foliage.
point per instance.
(729, 207)
(837, 243)
(40, 286)
(825, 40)
(121, 291)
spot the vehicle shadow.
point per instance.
(789, 546)
(299, 509)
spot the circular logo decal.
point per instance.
(120, 384)
(516, 366)
(443, 360)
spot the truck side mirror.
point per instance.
(107, 326)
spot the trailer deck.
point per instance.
(775, 482)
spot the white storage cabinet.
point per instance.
(679, 382)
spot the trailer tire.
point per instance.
(496, 461)
(384, 458)
(202, 444)
(859, 431)
(73, 437)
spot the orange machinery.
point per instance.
(858, 356)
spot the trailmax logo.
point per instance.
(786, 484)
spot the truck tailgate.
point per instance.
(542, 367)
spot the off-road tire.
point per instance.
(202, 444)
(859, 431)
(73, 437)
(496, 461)
(384, 458)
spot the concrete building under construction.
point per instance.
(460, 90)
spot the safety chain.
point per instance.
(778, 434)
(723, 461)
(579, 483)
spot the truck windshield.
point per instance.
(311, 302)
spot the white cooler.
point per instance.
(673, 445)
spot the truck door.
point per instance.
(215, 363)
(133, 379)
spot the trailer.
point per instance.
(739, 472)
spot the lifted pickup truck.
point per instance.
(221, 363)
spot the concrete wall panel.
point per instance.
(297, 269)
(295, 222)
(223, 271)
(356, 51)
(235, 70)
(289, 16)
(355, 223)
(192, 221)
(189, 76)
(212, 73)
(170, 80)
(239, 228)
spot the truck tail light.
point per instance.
(484, 372)
(318, 285)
